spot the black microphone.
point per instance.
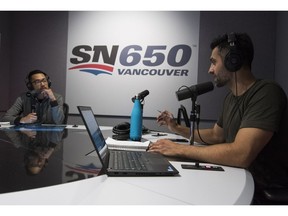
(33, 93)
(141, 95)
(194, 91)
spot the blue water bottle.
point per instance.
(136, 120)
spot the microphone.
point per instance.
(141, 95)
(194, 91)
(33, 93)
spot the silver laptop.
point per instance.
(124, 163)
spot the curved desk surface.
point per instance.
(85, 186)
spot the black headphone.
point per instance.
(234, 58)
(122, 128)
(28, 79)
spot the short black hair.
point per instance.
(31, 73)
(243, 43)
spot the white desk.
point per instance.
(233, 186)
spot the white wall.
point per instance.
(157, 51)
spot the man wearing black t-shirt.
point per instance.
(247, 132)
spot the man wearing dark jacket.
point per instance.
(39, 105)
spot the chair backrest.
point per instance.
(66, 112)
(278, 194)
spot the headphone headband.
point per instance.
(234, 59)
(30, 74)
(232, 39)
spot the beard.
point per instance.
(221, 80)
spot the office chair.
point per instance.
(278, 195)
(66, 112)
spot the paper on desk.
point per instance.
(5, 125)
(153, 137)
(126, 145)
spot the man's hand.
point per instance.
(167, 148)
(167, 118)
(48, 93)
(30, 118)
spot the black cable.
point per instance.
(206, 143)
(237, 97)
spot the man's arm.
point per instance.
(248, 143)
(211, 136)
(14, 111)
(57, 109)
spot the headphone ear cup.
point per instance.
(49, 84)
(28, 84)
(49, 81)
(122, 128)
(233, 60)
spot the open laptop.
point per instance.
(150, 164)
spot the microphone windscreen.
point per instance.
(194, 91)
(143, 94)
(33, 93)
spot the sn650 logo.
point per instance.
(87, 59)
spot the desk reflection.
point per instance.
(39, 146)
(37, 158)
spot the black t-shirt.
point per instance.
(261, 106)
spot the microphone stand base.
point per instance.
(197, 166)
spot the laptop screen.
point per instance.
(94, 131)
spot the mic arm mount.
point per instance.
(194, 117)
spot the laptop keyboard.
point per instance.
(127, 160)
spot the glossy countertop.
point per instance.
(33, 158)
(68, 172)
